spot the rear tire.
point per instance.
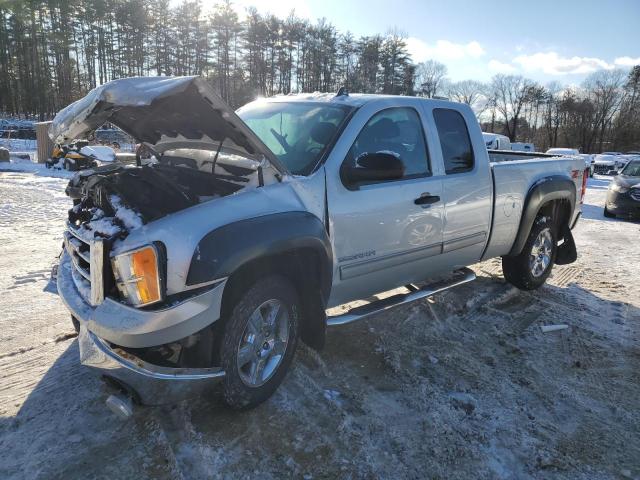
(530, 269)
(607, 213)
(259, 341)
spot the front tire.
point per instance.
(607, 213)
(259, 341)
(531, 268)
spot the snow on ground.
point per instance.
(27, 166)
(463, 385)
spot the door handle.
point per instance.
(426, 199)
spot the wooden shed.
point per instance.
(45, 145)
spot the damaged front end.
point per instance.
(147, 341)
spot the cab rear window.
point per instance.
(457, 152)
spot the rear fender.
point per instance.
(554, 187)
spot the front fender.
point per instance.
(225, 249)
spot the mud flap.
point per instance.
(567, 252)
(313, 331)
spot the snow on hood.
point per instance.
(165, 113)
(605, 159)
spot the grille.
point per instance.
(603, 169)
(88, 259)
(635, 194)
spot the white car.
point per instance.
(573, 152)
(605, 163)
(495, 141)
(562, 151)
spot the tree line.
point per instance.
(52, 52)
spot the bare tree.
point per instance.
(429, 78)
(473, 93)
(604, 88)
(511, 93)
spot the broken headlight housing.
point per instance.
(138, 275)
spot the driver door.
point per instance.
(386, 233)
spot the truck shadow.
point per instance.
(407, 393)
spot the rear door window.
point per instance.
(457, 152)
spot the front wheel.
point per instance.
(259, 340)
(531, 268)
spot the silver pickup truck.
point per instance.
(207, 263)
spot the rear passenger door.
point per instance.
(466, 185)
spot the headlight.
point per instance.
(617, 188)
(138, 275)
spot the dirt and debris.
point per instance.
(463, 385)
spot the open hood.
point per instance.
(165, 113)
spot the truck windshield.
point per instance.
(297, 133)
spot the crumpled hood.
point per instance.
(164, 112)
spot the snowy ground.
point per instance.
(461, 386)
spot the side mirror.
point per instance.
(374, 167)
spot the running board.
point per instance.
(464, 275)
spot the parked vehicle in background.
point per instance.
(523, 147)
(495, 141)
(563, 151)
(208, 265)
(588, 159)
(623, 196)
(625, 158)
(607, 163)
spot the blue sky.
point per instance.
(542, 39)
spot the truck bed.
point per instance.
(513, 174)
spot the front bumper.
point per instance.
(622, 204)
(111, 324)
(148, 384)
(139, 328)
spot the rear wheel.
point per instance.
(259, 340)
(531, 268)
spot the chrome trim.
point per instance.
(86, 275)
(73, 231)
(388, 261)
(204, 284)
(152, 384)
(463, 242)
(69, 237)
(96, 270)
(464, 275)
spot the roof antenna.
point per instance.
(342, 92)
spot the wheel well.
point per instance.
(305, 269)
(559, 211)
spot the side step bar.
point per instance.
(464, 275)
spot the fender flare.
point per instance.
(554, 187)
(226, 249)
